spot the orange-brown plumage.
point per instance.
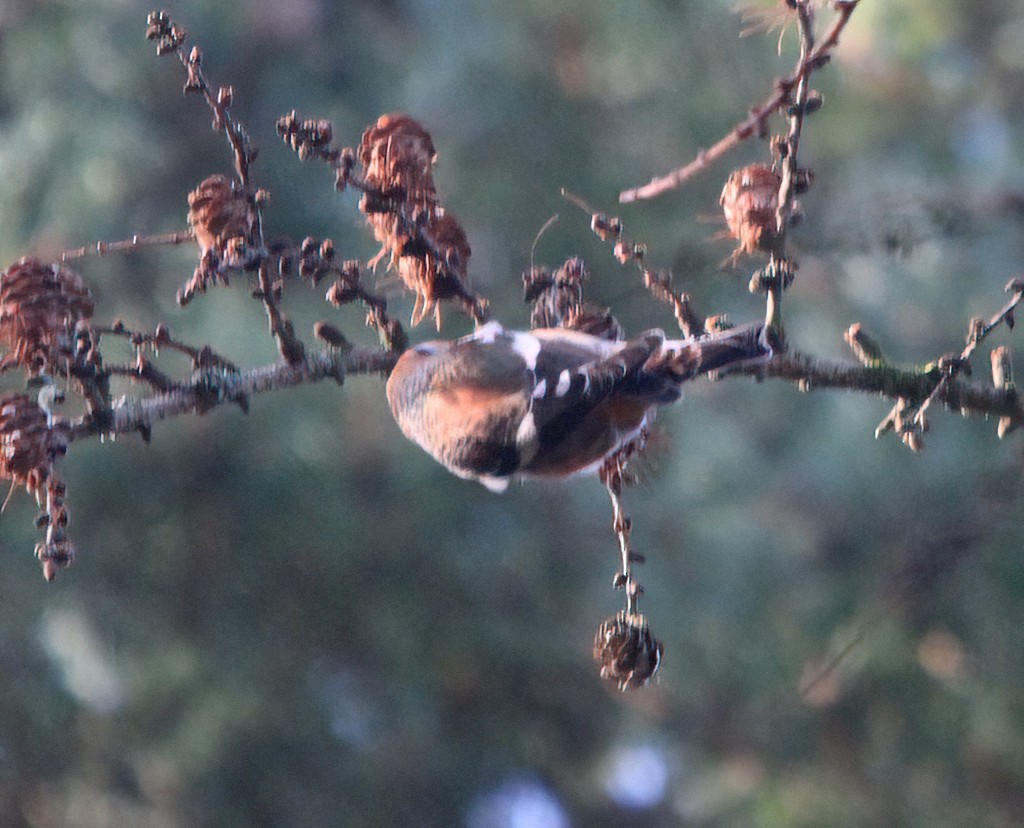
(546, 403)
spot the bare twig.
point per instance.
(658, 283)
(612, 475)
(756, 123)
(951, 366)
(210, 387)
(161, 339)
(171, 37)
(348, 288)
(887, 381)
(289, 345)
(145, 371)
(789, 171)
(136, 242)
(797, 109)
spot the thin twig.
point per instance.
(613, 476)
(162, 339)
(145, 371)
(887, 381)
(208, 388)
(826, 670)
(136, 242)
(788, 168)
(658, 283)
(288, 344)
(755, 124)
(978, 333)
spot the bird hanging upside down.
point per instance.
(552, 402)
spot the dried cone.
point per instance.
(397, 154)
(426, 246)
(40, 305)
(223, 220)
(26, 444)
(626, 651)
(219, 212)
(437, 270)
(749, 201)
(557, 300)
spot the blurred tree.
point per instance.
(297, 618)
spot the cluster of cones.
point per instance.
(425, 245)
(43, 308)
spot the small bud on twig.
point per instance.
(326, 332)
(863, 346)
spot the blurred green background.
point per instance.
(296, 618)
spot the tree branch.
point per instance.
(914, 385)
(755, 124)
(213, 386)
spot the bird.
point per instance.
(499, 405)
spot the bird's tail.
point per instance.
(653, 367)
(688, 358)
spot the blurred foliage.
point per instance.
(296, 618)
